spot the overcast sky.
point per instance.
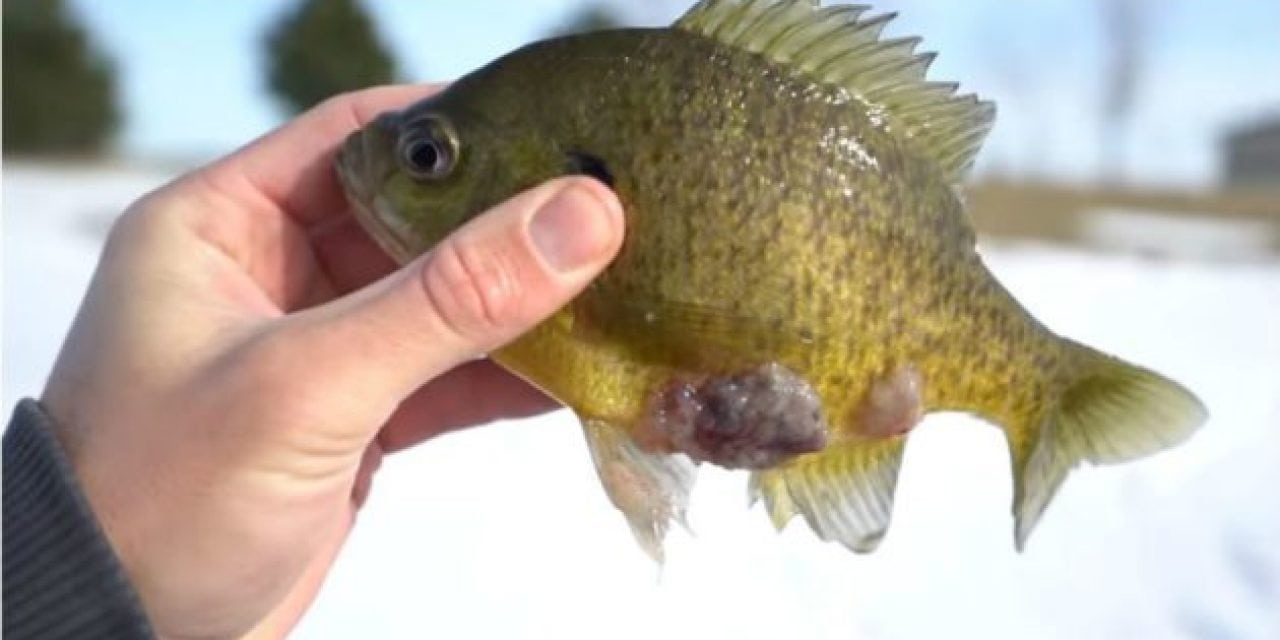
(193, 82)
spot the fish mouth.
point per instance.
(362, 176)
(388, 229)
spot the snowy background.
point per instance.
(504, 531)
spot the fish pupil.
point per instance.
(426, 157)
(586, 164)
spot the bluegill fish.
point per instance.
(799, 285)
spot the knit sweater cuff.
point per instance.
(61, 577)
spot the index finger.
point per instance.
(291, 168)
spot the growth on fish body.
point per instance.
(799, 284)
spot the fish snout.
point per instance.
(367, 157)
(350, 167)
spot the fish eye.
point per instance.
(429, 149)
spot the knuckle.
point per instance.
(337, 103)
(473, 290)
(134, 226)
(143, 213)
(124, 227)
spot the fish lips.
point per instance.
(362, 171)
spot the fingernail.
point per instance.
(572, 229)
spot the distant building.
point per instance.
(1252, 155)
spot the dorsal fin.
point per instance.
(838, 46)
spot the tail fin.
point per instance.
(1108, 411)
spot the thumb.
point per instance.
(483, 286)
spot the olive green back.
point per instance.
(769, 216)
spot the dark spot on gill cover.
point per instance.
(585, 164)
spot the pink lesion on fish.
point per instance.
(892, 406)
(755, 419)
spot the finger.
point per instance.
(348, 256)
(370, 462)
(290, 170)
(472, 394)
(480, 288)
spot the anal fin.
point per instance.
(650, 489)
(845, 493)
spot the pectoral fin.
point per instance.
(650, 489)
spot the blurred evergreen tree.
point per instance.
(592, 17)
(59, 91)
(322, 48)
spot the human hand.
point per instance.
(233, 379)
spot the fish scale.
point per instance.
(799, 283)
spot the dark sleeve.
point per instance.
(61, 577)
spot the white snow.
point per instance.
(1201, 236)
(504, 532)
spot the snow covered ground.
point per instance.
(503, 532)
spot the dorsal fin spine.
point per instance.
(836, 18)
(731, 18)
(786, 31)
(837, 47)
(733, 25)
(767, 19)
(857, 41)
(882, 62)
